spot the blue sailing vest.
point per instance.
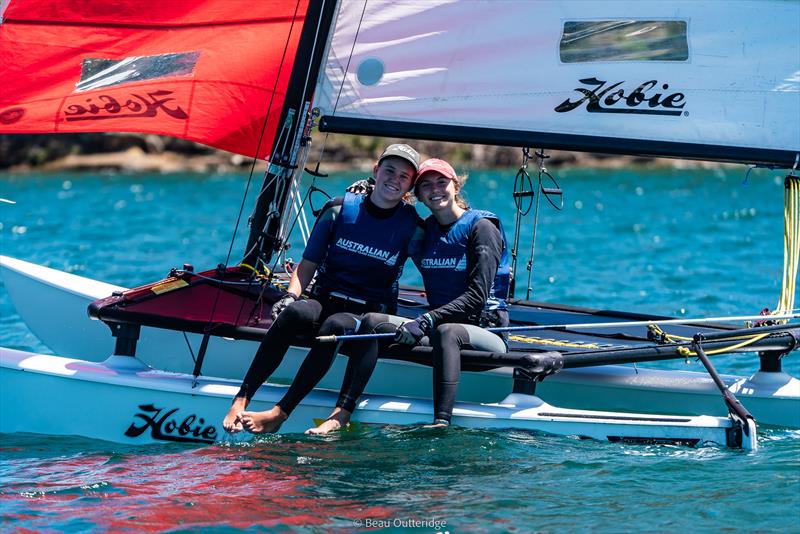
(443, 262)
(366, 254)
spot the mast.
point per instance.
(264, 224)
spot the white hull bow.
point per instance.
(123, 400)
(53, 304)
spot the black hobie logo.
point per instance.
(164, 425)
(135, 106)
(603, 98)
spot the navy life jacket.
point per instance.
(443, 262)
(366, 254)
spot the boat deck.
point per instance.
(233, 304)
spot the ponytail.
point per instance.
(461, 202)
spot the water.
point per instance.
(676, 242)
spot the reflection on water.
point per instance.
(468, 478)
(688, 243)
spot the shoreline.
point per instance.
(152, 153)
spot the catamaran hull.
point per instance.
(123, 400)
(53, 304)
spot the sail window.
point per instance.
(99, 72)
(624, 40)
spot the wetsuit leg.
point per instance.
(447, 342)
(299, 317)
(318, 360)
(363, 355)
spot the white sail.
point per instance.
(711, 80)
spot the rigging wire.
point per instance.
(546, 191)
(189, 345)
(305, 121)
(542, 170)
(291, 222)
(341, 86)
(279, 172)
(520, 181)
(523, 188)
(221, 271)
(288, 144)
(287, 227)
(349, 59)
(261, 134)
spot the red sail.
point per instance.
(213, 71)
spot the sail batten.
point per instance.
(682, 79)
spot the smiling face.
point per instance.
(393, 179)
(436, 191)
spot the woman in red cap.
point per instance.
(465, 269)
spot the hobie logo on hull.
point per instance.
(165, 426)
(603, 98)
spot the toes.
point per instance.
(231, 426)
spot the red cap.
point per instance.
(436, 165)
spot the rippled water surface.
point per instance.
(674, 242)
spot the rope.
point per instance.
(791, 243)
(684, 351)
(655, 332)
(261, 276)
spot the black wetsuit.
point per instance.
(316, 316)
(484, 249)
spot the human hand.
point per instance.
(410, 333)
(282, 304)
(361, 187)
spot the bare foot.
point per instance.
(266, 422)
(438, 423)
(233, 422)
(340, 418)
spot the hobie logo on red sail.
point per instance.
(134, 105)
(603, 97)
(12, 115)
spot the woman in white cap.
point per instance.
(465, 269)
(357, 249)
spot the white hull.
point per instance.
(53, 304)
(123, 400)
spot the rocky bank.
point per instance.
(154, 153)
